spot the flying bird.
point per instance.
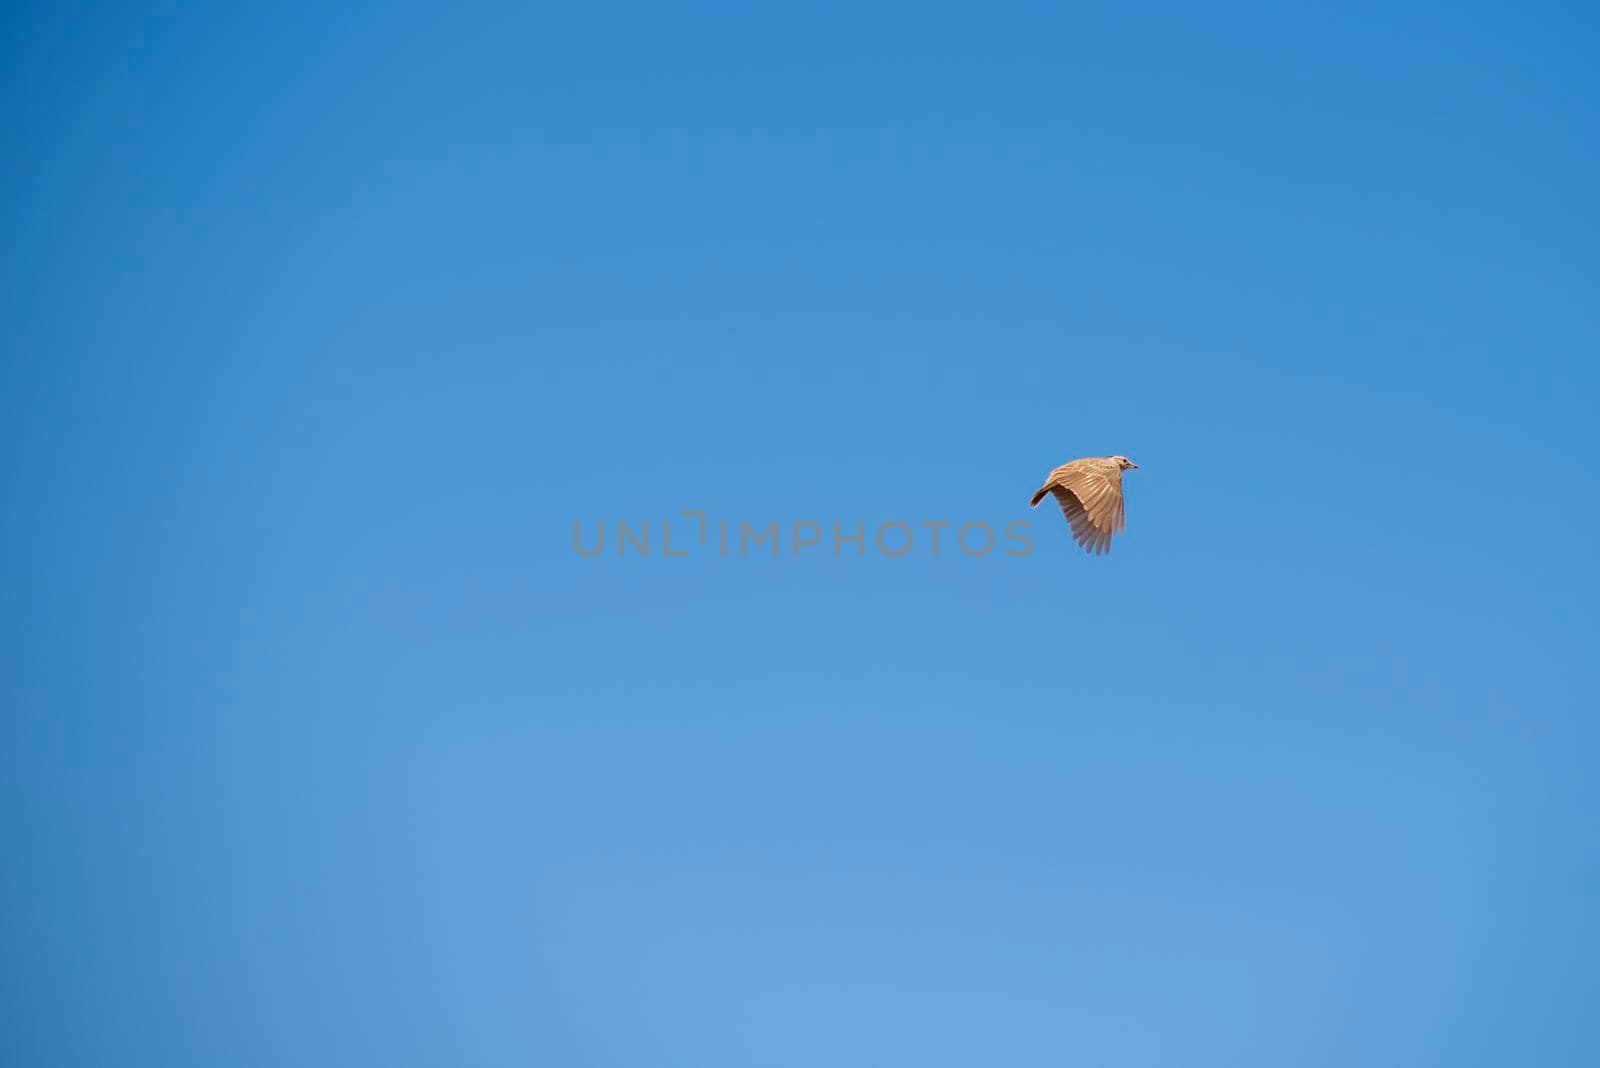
(1090, 494)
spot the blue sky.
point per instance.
(324, 324)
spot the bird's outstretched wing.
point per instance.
(1090, 495)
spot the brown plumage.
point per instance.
(1090, 494)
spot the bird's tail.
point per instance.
(1037, 497)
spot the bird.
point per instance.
(1090, 494)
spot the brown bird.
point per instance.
(1090, 494)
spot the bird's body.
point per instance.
(1090, 494)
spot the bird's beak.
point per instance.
(1133, 465)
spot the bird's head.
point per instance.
(1123, 462)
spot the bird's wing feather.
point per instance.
(1085, 531)
(1098, 485)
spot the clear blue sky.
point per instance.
(323, 324)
